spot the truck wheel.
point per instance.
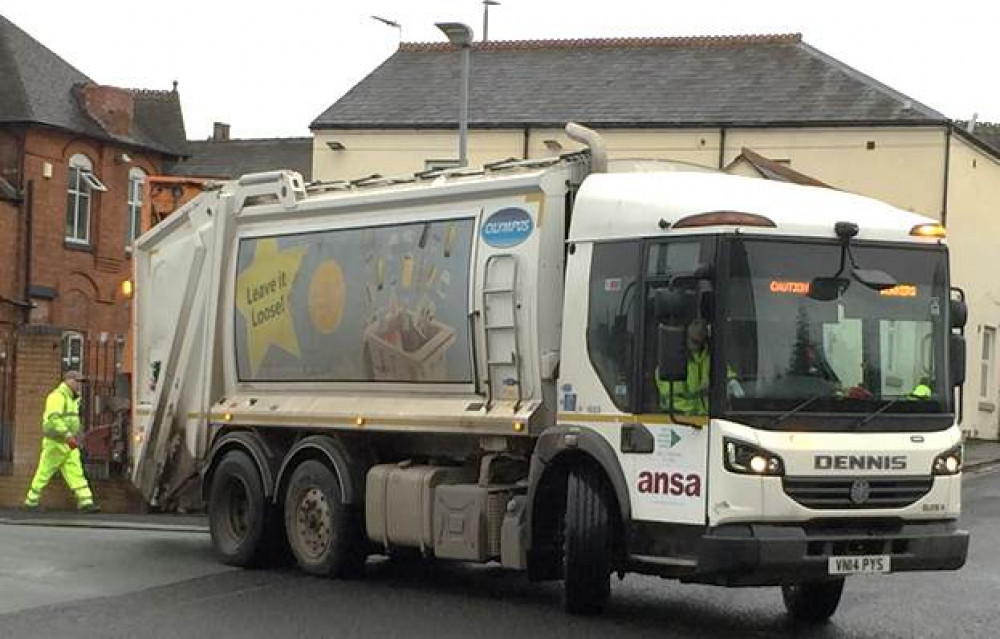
(325, 535)
(588, 543)
(813, 601)
(237, 511)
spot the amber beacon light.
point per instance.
(928, 230)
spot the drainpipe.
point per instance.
(29, 208)
(593, 140)
(722, 148)
(947, 170)
(525, 144)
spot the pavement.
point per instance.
(978, 454)
(158, 522)
(981, 452)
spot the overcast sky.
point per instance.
(270, 68)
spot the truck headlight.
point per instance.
(948, 462)
(747, 459)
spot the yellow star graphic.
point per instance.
(262, 297)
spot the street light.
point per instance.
(390, 23)
(486, 17)
(460, 35)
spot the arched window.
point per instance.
(80, 184)
(136, 178)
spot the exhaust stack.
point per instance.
(594, 141)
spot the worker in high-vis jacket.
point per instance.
(690, 394)
(60, 449)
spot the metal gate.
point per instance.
(6, 403)
(104, 407)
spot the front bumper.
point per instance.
(772, 555)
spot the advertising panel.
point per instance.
(385, 303)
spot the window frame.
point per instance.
(648, 280)
(136, 181)
(987, 362)
(633, 390)
(638, 384)
(80, 185)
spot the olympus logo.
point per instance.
(859, 462)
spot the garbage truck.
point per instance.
(570, 366)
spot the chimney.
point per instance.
(111, 107)
(971, 126)
(220, 132)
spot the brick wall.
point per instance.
(38, 371)
(85, 280)
(11, 284)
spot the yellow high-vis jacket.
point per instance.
(61, 419)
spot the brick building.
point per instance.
(74, 157)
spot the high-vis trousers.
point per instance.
(59, 457)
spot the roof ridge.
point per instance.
(150, 93)
(985, 125)
(615, 43)
(298, 138)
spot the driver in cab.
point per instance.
(691, 394)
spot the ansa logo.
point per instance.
(666, 483)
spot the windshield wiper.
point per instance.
(788, 413)
(867, 418)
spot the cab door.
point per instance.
(668, 476)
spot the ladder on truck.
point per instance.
(503, 351)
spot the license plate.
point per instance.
(860, 565)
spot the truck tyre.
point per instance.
(237, 511)
(813, 601)
(588, 542)
(325, 535)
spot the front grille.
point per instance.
(825, 493)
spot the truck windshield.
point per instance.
(858, 351)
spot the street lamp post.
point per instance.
(486, 17)
(460, 35)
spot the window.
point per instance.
(863, 350)
(664, 261)
(72, 352)
(986, 366)
(80, 184)
(613, 315)
(136, 178)
(119, 353)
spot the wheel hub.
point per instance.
(314, 522)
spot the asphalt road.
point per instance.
(151, 584)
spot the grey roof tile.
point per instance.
(39, 88)
(986, 132)
(638, 82)
(233, 158)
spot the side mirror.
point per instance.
(873, 279)
(956, 359)
(669, 304)
(703, 271)
(827, 289)
(671, 352)
(958, 310)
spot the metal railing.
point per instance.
(104, 408)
